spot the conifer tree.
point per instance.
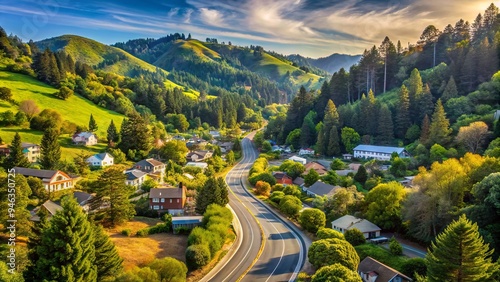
(92, 124)
(460, 254)
(424, 103)
(135, 135)
(308, 130)
(424, 131)
(385, 126)
(222, 192)
(450, 91)
(415, 88)
(113, 135)
(403, 114)
(439, 129)
(361, 176)
(50, 151)
(66, 251)
(34, 240)
(206, 196)
(331, 117)
(16, 156)
(109, 263)
(322, 139)
(333, 148)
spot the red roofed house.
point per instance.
(282, 178)
(168, 198)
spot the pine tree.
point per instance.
(92, 124)
(415, 88)
(333, 148)
(361, 176)
(16, 156)
(424, 102)
(439, 129)
(50, 151)
(110, 188)
(308, 130)
(403, 114)
(113, 136)
(460, 254)
(135, 135)
(424, 131)
(385, 126)
(322, 139)
(66, 251)
(331, 117)
(206, 196)
(222, 192)
(450, 91)
(34, 240)
(109, 263)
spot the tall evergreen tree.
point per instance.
(206, 196)
(92, 124)
(50, 151)
(403, 113)
(112, 133)
(67, 251)
(111, 190)
(385, 126)
(333, 148)
(415, 89)
(322, 139)
(222, 192)
(331, 117)
(107, 260)
(16, 156)
(308, 130)
(439, 129)
(424, 131)
(450, 91)
(424, 103)
(135, 135)
(34, 240)
(460, 254)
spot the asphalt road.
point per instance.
(284, 251)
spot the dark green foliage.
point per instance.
(337, 164)
(290, 205)
(37, 188)
(276, 196)
(385, 128)
(308, 130)
(264, 176)
(395, 247)
(361, 176)
(213, 192)
(439, 128)
(414, 266)
(66, 251)
(459, 253)
(329, 251)
(336, 273)
(45, 120)
(311, 177)
(197, 256)
(293, 138)
(350, 139)
(312, 220)
(333, 147)
(16, 156)
(135, 135)
(398, 167)
(403, 113)
(5, 94)
(169, 269)
(64, 93)
(328, 233)
(92, 124)
(292, 168)
(50, 151)
(113, 136)
(354, 236)
(107, 260)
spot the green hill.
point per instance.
(75, 109)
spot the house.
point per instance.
(298, 159)
(307, 151)
(31, 151)
(282, 178)
(52, 180)
(135, 177)
(101, 160)
(347, 222)
(198, 156)
(320, 188)
(195, 141)
(201, 165)
(299, 181)
(372, 270)
(84, 138)
(226, 146)
(214, 133)
(276, 148)
(319, 168)
(381, 153)
(51, 208)
(82, 199)
(188, 222)
(155, 169)
(168, 198)
(408, 181)
(347, 156)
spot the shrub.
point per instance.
(312, 219)
(354, 237)
(220, 229)
(197, 256)
(328, 233)
(277, 187)
(329, 251)
(414, 265)
(336, 273)
(126, 232)
(169, 269)
(394, 247)
(262, 188)
(277, 196)
(292, 190)
(215, 211)
(142, 233)
(159, 228)
(290, 205)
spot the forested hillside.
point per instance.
(330, 64)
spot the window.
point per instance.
(162, 200)
(156, 207)
(177, 200)
(156, 200)
(170, 200)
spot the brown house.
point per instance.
(52, 180)
(372, 270)
(319, 168)
(155, 169)
(168, 198)
(282, 178)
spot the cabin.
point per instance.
(155, 169)
(84, 138)
(320, 188)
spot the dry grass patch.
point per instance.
(139, 251)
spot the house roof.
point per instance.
(52, 207)
(102, 156)
(84, 134)
(379, 149)
(280, 175)
(187, 219)
(319, 168)
(298, 181)
(384, 272)
(40, 173)
(81, 196)
(28, 145)
(321, 189)
(133, 174)
(197, 164)
(299, 159)
(349, 222)
(148, 162)
(172, 192)
(199, 153)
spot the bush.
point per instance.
(215, 212)
(354, 237)
(277, 196)
(262, 188)
(290, 205)
(277, 187)
(329, 251)
(159, 228)
(394, 247)
(142, 232)
(312, 220)
(126, 232)
(336, 273)
(328, 233)
(197, 256)
(220, 229)
(414, 265)
(292, 190)
(169, 269)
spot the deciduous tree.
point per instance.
(335, 273)
(329, 251)
(312, 220)
(384, 204)
(473, 136)
(30, 108)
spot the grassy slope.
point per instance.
(75, 109)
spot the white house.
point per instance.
(298, 159)
(381, 153)
(84, 138)
(307, 151)
(100, 160)
(201, 165)
(135, 177)
(347, 222)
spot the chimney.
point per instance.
(180, 185)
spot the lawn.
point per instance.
(380, 254)
(139, 251)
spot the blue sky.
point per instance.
(314, 28)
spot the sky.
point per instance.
(313, 28)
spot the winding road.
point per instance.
(285, 247)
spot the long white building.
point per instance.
(381, 153)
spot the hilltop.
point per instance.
(330, 64)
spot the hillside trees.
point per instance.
(135, 137)
(214, 191)
(384, 205)
(16, 156)
(50, 151)
(439, 129)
